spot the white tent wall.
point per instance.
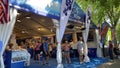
(99, 49)
(5, 33)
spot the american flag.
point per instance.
(113, 34)
(104, 29)
(4, 11)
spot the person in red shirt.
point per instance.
(37, 50)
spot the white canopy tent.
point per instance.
(6, 30)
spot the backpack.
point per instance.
(41, 47)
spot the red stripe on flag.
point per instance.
(4, 11)
(104, 31)
(113, 34)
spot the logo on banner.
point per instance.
(68, 6)
(89, 15)
(66, 9)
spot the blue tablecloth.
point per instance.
(92, 52)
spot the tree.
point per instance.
(118, 32)
(103, 10)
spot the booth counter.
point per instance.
(17, 59)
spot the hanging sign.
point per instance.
(50, 8)
(66, 9)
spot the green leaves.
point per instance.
(118, 31)
(102, 9)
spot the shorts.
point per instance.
(37, 51)
(45, 55)
(66, 52)
(80, 52)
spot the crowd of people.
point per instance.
(68, 47)
(42, 51)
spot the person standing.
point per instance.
(111, 47)
(66, 49)
(80, 47)
(37, 50)
(46, 50)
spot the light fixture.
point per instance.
(28, 17)
(18, 20)
(39, 28)
(51, 30)
(23, 31)
(18, 13)
(77, 27)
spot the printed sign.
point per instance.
(50, 8)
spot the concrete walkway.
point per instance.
(111, 64)
(94, 62)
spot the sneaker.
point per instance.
(69, 62)
(81, 62)
(47, 63)
(43, 64)
(111, 60)
(66, 62)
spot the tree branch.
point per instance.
(110, 16)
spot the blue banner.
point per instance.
(50, 8)
(1, 44)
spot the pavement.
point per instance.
(111, 64)
(94, 63)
